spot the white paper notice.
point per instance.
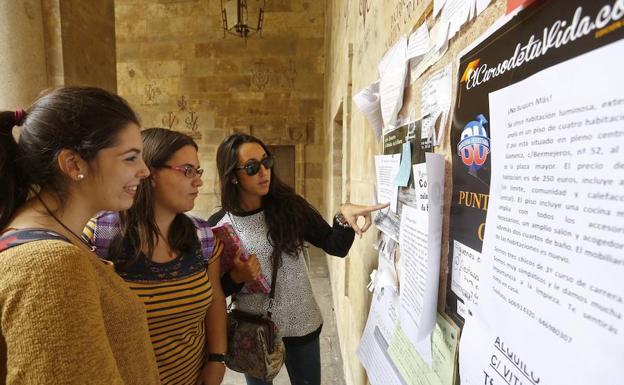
(435, 103)
(388, 222)
(419, 242)
(392, 72)
(551, 303)
(386, 274)
(387, 246)
(373, 349)
(386, 168)
(465, 273)
(482, 5)
(455, 13)
(437, 48)
(368, 102)
(414, 272)
(419, 42)
(461, 309)
(437, 6)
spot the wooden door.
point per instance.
(284, 163)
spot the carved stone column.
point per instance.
(22, 53)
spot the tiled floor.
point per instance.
(331, 362)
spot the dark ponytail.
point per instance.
(12, 190)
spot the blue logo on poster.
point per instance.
(474, 144)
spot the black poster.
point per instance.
(545, 34)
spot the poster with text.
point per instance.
(542, 36)
(540, 121)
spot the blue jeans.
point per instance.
(303, 363)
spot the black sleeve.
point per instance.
(229, 286)
(335, 240)
(216, 217)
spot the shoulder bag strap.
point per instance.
(273, 282)
(19, 237)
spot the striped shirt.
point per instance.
(176, 295)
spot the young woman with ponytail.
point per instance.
(66, 317)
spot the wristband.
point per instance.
(216, 357)
(341, 220)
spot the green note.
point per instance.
(444, 343)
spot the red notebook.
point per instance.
(231, 245)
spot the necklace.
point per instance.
(81, 239)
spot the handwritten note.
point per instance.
(465, 273)
(444, 342)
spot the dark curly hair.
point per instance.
(286, 213)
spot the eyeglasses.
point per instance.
(253, 167)
(188, 170)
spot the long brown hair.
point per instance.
(287, 214)
(82, 119)
(139, 230)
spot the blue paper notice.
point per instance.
(405, 168)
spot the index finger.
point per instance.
(376, 207)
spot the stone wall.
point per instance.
(88, 43)
(179, 71)
(50, 43)
(22, 63)
(358, 33)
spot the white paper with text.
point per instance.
(551, 291)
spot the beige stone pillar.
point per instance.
(22, 53)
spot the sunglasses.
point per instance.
(253, 167)
(188, 170)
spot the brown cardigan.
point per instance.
(66, 317)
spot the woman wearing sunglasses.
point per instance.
(156, 248)
(274, 222)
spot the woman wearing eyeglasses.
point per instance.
(274, 222)
(175, 272)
